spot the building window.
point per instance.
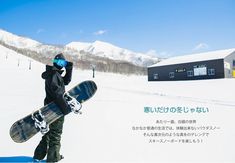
(211, 71)
(180, 70)
(155, 76)
(233, 63)
(190, 73)
(171, 75)
(200, 70)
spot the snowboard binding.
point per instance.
(40, 123)
(73, 103)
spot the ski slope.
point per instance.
(104, 132)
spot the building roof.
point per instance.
(219, 54)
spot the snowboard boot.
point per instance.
(61, 157)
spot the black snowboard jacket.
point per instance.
(55, 86)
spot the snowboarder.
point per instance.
(55, 89)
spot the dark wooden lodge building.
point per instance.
(209, 65)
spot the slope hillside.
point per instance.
(108, 129)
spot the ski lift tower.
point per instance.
(93, 70)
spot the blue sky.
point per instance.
(162, 27)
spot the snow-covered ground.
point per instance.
(105, 131)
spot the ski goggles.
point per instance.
(60, 62)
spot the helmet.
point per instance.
(60, 61)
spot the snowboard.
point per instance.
(25, 128)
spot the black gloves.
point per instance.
(69, 65)
(68, 76)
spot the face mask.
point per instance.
(60, 62)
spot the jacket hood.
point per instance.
(50, 70)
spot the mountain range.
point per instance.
(97, 48)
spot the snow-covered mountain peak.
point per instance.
(17, 41)
(104, 49)
(102, 44)
(97, 45)
(78, 45)
(108, 49)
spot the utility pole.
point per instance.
(30, 64)
(18, 62)
(93, 70)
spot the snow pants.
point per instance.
(50, 143)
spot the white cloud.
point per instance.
(40, 30)
(100, 32)
(201, 46)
